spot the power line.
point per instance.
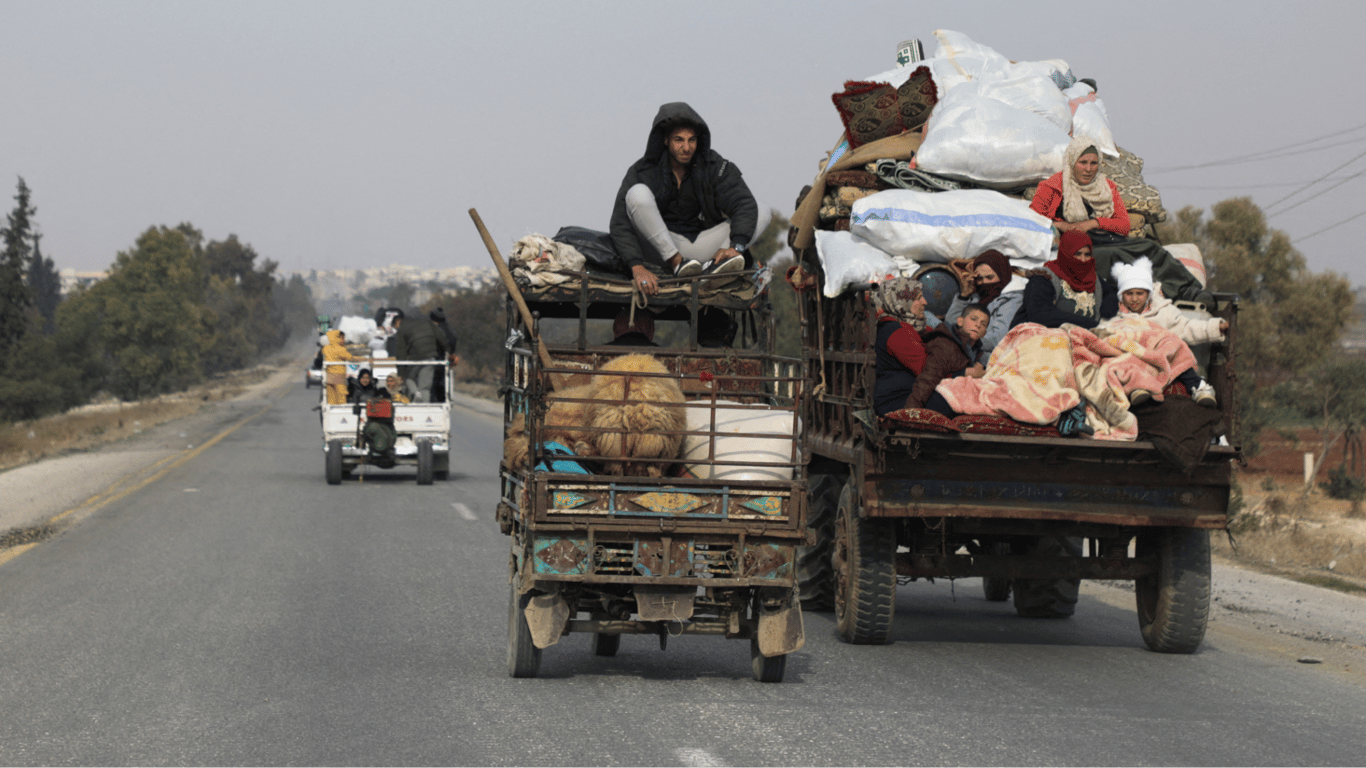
(1266, 153)
(1316, 181)
(1317, 194)
(1333, 226)
(1240, 186)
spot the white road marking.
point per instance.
(463, 510)
(700, 758)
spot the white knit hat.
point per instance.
(1136, 275)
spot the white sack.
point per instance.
(848, 260)
(937, 226)
(987, 141)
(1032, 93)
(358, 330)
(1089, 117)
(759, 451)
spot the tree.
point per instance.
(1290, 320)
(767, 248)
(45, 285)
(1334, 395)
(15, 299)
(156, 324)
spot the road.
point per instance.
(238, 610)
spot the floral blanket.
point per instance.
(1037, 373)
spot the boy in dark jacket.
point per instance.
(950, 351)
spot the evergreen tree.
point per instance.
(15, 299)
(45, 286)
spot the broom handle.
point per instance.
(510, 284)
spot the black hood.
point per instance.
(670, 116)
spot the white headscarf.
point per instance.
(1097, 193)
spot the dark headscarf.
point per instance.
(1079, 275)
(1001, 266)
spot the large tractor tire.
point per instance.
(865, 574)
(997, 588)
(815, 573)
(1173, 603)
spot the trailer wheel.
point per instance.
(334, 462)
(815, 573)
(865, 574)
(997, 588)
(424, 462)
(524, 658)
(1173, 603)
(766, 669)
(605, 644)
(1048, 598)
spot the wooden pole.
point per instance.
(511, 285)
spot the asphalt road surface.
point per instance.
(235, 609)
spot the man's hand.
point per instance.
(977, 371)
(645, 280)
(1223, 326)
(454, 359)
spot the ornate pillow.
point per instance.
(916, 98)
(921, 418)
(869, 112)
(990, 424)
(852, 178)
(1126, 171)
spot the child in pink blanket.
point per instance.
(1137, 299)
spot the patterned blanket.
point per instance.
(1037, 373)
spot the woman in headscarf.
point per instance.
(1079, 198)
(362, 388)
(900, 304)
(1068, 290)
(991, 273)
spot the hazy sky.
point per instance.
(354, 134)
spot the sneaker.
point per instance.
(1139, 397)
(733, 264)
(688, 268)
(1204, 395)
(724, 270)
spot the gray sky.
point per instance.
(355, 134)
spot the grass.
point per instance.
(101, 423)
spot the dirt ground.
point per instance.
(1279, 528)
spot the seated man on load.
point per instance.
(682, 206)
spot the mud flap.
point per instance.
(780, 630)
(665, 603)
(545, 617)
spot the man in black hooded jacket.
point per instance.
(682, 210)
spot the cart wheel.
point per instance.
(334, 462)
(524, 658)
(605, 644)
(424, 462)
(865, 574)
(1173, 604)
(766, 669)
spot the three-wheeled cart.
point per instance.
(421, 431)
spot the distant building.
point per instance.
(72, 279)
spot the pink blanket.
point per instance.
(1037, 373)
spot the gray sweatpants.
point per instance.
(645, 217)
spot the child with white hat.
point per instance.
(1137, 298)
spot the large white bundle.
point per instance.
(1032, 93)
(1089, 117)
(762, 454)
(988, 141)
(358, 330)
(937, 226)
(847, 260)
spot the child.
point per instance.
(950, 351)
(335, 375)
(1136, 298)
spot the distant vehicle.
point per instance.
(419, 434)
(313, 375)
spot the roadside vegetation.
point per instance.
(173, 312)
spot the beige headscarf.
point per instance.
(895, 298)
(1097, 193)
